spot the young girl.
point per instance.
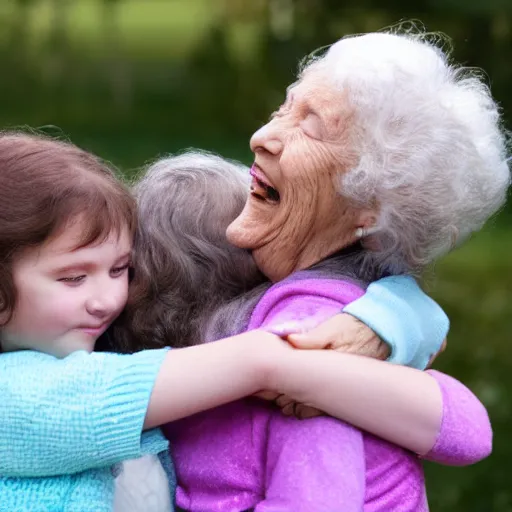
(87, 410)
(66, 228)
(245, 455)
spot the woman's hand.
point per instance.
(343, 333)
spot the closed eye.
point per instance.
(312, 126)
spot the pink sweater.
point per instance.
(246, 455)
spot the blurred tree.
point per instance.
(117, 68)
(57, 45)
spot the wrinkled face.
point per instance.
(294, 216)
(67, 298)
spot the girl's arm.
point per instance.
(88, 410)
(197, 378)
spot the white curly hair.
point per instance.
(432, 152)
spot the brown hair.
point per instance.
(44, 185)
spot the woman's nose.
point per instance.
(268, 138)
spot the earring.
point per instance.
(364, 232)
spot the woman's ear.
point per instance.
(366, 224)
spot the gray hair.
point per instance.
(431, 149)
(190, 284)
(184, 265)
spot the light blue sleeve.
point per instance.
(410, 322)
(62, 416)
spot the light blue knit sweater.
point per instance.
(62, 417)
(413, 325)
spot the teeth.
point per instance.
(264, 191)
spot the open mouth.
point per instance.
(261, 189)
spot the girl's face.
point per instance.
(67, 297)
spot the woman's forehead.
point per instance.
(322, 97)
(316, 88)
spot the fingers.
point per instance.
(266, 395)
(372, 347)
(283, 401)
(343, 333)
(304, 412)
(323, 336)
(290, 407)
(286, 329)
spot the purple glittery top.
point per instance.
(247, 455)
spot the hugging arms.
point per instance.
(209, 375)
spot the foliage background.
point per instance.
(131, 79)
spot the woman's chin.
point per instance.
(245, 232)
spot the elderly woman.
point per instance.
(288, 224)
(383, 157)
(200, 264)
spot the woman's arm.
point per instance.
(88, 410)
(399, 404)
(401, 314)
(466, 434)
(410, 408)
(426, 412)
(362, 391)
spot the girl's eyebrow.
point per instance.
(78, 265)
(88, 264)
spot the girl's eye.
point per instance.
(73, 280)
(117, 271)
